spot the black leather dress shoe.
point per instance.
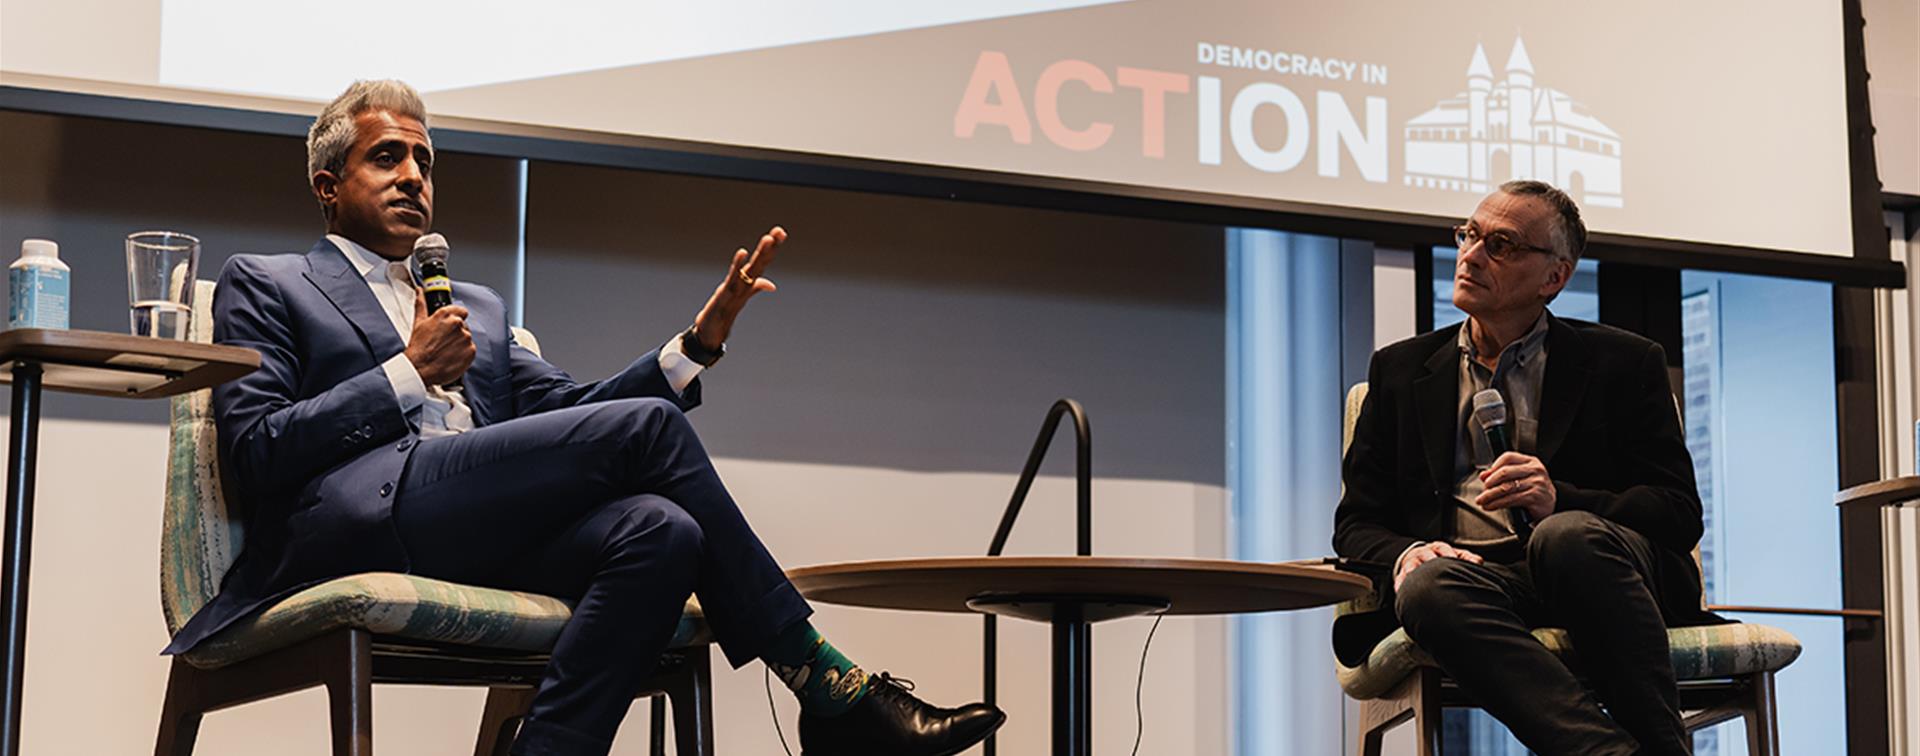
(890, 721)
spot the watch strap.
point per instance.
(690, 346)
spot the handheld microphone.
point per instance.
(1490, 410)
(430, 254)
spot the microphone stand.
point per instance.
(1082, 652)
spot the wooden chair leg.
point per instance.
(1416, 698)
(692, 698)
(350, 695)
(1377, 716)
(1427, 722)
(180, 715)
(1763, 730)
(501, 719)
(331, 660)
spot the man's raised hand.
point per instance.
(744, 279)
(441, 348)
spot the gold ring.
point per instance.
(746, 279)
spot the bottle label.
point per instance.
(38, 297)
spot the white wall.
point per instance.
(1893, 61)
(1896, 319)
(1394, 290)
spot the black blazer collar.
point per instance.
(1568, 369)
(1436, 395)
(1436, 399)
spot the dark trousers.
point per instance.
(615, 506)
(1597, 579)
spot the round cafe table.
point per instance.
(1072, 593)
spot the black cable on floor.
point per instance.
(1139, 715)
(767, 679)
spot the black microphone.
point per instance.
(1490, 410)
(430, 254)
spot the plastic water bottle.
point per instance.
(39, 285)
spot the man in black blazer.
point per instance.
(379, 436)
(1588, 523)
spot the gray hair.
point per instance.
(333, 132)
(1569, 233)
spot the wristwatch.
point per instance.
(694, 350)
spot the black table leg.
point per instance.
(23, 434)
(1072, 682)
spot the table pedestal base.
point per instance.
(23, 434)
(1072, 617)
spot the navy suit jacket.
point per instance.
(314, 442)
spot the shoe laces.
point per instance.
(887, 686)
(898, 682)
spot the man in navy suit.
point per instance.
(378, 436)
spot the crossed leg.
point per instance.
(617, 506)
(1475, 620)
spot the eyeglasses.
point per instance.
(1500, 245)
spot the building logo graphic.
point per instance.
(1512, 129)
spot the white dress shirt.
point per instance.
(442, 410)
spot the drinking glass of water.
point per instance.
(161, 268)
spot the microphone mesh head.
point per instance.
(430, 247)
(1489, 408)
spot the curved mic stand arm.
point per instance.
(1083, 475)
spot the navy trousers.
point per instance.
(1596, 578)
(615, 506)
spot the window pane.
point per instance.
(1580, 300)
(1761, 426)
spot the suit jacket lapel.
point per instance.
(1436, 401)
(328, 269)
(479, 377)
(1566, 383)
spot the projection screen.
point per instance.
(1711, 121)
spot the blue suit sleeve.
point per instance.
(539, 386)
(276, 440)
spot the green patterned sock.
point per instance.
(824, 680)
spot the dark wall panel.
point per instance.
(87, 183)
(907, 332)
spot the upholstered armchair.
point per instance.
(352, 632)
(1725, 671)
